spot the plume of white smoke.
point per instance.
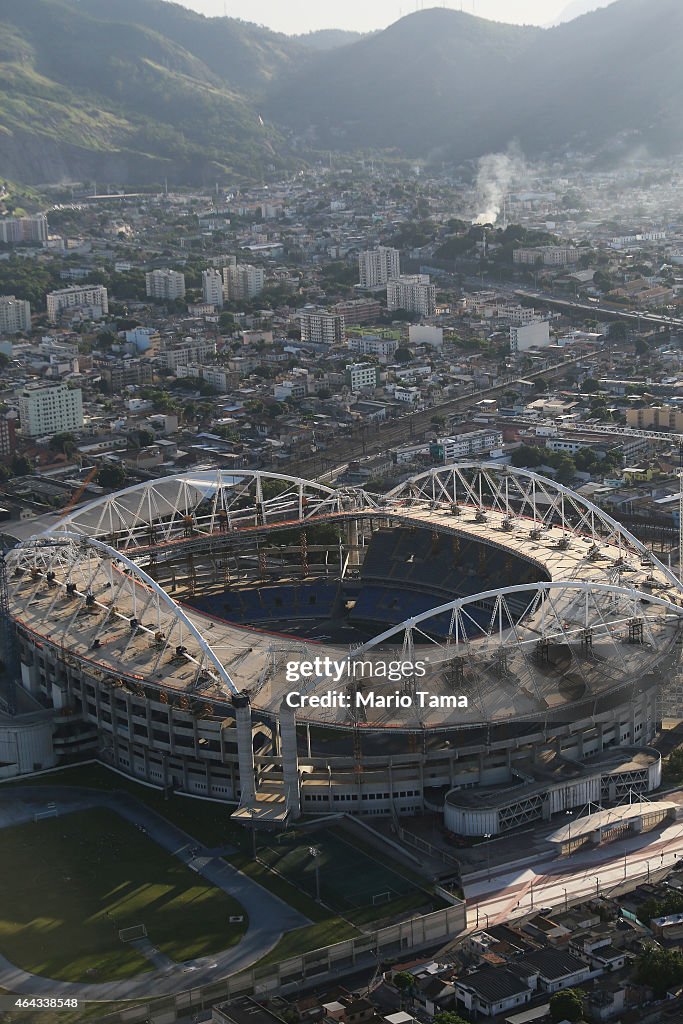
(496, 173)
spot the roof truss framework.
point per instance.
(528, 501)
(173, 508)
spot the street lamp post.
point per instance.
(570, 815)
(566, 900)
(315, 854)
(487, 838)
(532, 895)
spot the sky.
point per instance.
(294, 16)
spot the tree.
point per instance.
(660, 969)
(112, 475)
(566, 1005)
(21, 465)
(448, 1017)
(590, 385)
(145, 437)
(64, 442)
(402, 355)
(617, 331)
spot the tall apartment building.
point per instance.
(14, 230)
(15, 315)
(322, 328)
(90, 298)
(8, 439)
(212, 287)
(243, 281)
(165, 284)
(49, 409)
(378, 266)
(412, 292)
(361, 375)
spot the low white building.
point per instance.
(462, 446)
(534, 334)
(90, 298)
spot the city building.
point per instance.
(219, 377)
(656, 417)
(378, 266)
(243, 281)
(374, 345)
(524, 336)
(14, 230)
(182, 353)
(361, 375)
(322, 328)
(15, 315)
(357, 312)
(546, 255)
(165, 284)
(90, 299)
(423, 334)
(466, 445)
(8, 438)
(49, 409)
(412, 292)
(212, 288)
(122, 373)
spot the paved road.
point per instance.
(561, 881)
(269, 916)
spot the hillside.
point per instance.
(86, 92)
(413, 86)
(135, 91)
(442, 83)
(327, 38)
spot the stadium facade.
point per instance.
(480, 642)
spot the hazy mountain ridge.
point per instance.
(137, 90)
(444, 83)
(328, 38)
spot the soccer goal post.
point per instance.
(382, 897)
(134, 931)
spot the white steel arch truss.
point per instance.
(104, 610)
(527, 502)
(173, 509)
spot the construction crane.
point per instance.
(79, 492)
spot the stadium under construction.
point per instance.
(495, 641)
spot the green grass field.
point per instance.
(354, 881)
(70, 883)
